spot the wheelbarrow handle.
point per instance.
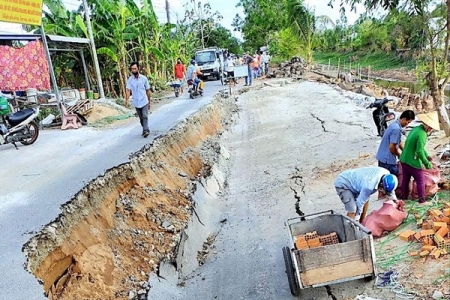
(302, 218)
(361, 226)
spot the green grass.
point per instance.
(377, 60)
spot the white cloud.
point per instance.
(321, 8)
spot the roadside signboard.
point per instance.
(241, 71)
(21, 11)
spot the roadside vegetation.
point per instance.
(414, 32)
(376, 60)
(126, 31)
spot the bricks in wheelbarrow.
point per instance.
(329, 239)
(315, 242)
(301, 243)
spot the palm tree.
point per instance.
(303, 23)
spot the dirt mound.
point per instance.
(101, 111)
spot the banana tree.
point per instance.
(115, 27)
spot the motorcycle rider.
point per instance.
(192, 75)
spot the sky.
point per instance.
(229, 10)
(226, 8)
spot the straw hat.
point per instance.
(431, 119)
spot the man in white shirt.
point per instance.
(139, 88)
(229, 68)
(265, 58)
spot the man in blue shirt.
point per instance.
(192, 74)
(139, 87)
(389, 149)
(355, 186)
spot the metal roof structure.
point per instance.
(58, 44)
(4, 35)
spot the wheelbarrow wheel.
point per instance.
(292, 279)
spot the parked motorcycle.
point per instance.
(19, 126)
(382, 117)
(195, 90)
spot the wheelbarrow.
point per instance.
(176, 85)
(350, 255)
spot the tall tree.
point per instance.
(263, 19)
(202, 18)
(222, 38)
(438, 41)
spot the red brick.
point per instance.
(438, 225)
(428, 232)
(407, 235)
(427, 248)
(442, 232)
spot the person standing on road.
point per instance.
(139, 88)
(248, 59)
(390, 146)
(355, 186)
(265, 63)
(414, 155)
(229, 68)
(180, 72)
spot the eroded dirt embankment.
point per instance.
(116, 230)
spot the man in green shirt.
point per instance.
(414, 155)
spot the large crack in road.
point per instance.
(113, 233)
(171, 209)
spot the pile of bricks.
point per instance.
(312, 240)
(434, 234)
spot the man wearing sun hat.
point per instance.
(414, 155)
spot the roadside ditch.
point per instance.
(158, 207)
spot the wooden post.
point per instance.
(368, 73)
(350, 66)
(339, 67)
(329, 64)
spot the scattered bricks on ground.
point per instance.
(434, 234)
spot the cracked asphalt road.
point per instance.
(276, 146)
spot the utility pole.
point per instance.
(87, 14)
(50, 66)
(168, 11)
